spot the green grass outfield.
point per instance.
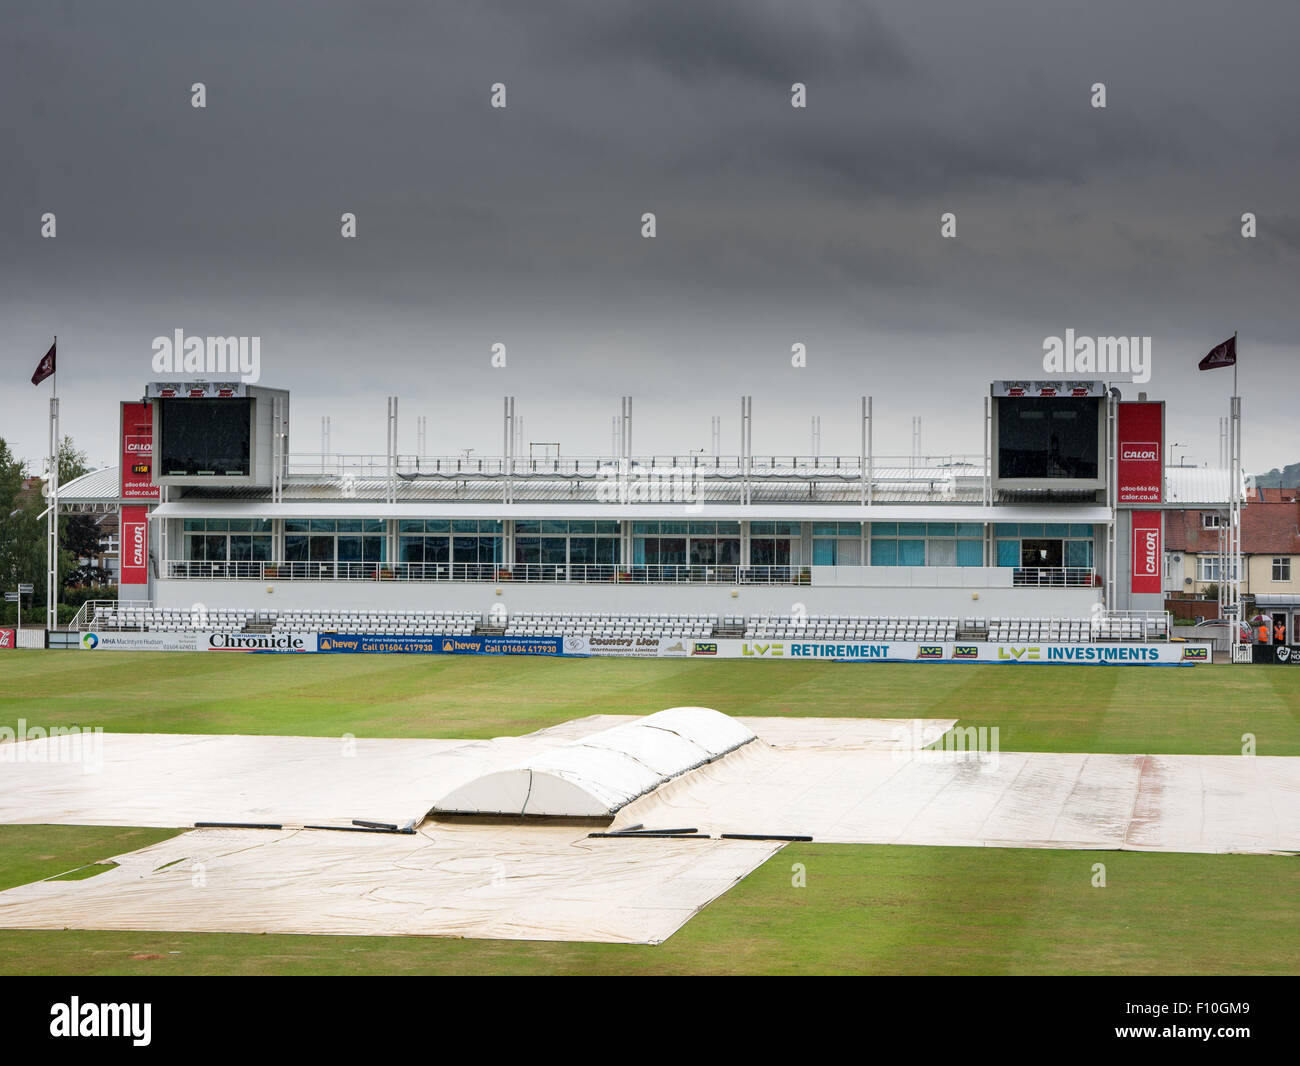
(1202, 710)
(865, 909)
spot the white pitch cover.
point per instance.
(598, 775)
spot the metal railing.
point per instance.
(574, 573)
(308, 465)
(532, 573)
(1070, 577)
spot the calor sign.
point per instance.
(1146, 552)
(1140, 440)
(135, 545)
(1147, 452)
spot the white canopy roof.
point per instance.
(596, 776)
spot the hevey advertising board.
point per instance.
(1140, 469)
(1147, 553)
(136, 458)
(198, 641)
(435, 644)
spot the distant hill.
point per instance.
(1288, 477)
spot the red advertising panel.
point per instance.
(1141, 433)
(137, 452)
(7, 638)
(1147, 553)
(135, 545)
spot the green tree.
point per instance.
(23, 530)
(78, 533)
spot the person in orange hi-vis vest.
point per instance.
(1279, 632)
(1263, 631)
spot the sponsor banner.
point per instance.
(150, 641)
(1049, 388)
(136, 458)
(1147, 554)
(1275, 654)
(196, 390)
(634, 647)
(7, 639)
(644, 647)
(899, 652)
(198, 641)
(1140, 468)
(134, 541)
(259, 642)
(437, 644)
(378, 643)
(501, 645)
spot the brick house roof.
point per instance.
(1273, 495)
(1266, 529)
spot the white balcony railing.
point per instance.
(576, 573)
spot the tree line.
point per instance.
(23, 531)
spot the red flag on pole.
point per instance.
(45, 367)
(1224, 355)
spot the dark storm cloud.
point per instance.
(763, 41)
(775, 224)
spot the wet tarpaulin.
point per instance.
(535, 882)
(175, 780)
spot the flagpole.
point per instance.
(1235, 516)
(52, 527)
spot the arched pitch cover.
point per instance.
(596, 776)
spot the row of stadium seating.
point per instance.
(450, 623)
(596, 623)
(454, 623)
(850, 627)
(171, 619)
(1074, 630)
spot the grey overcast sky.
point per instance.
(776, 225)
